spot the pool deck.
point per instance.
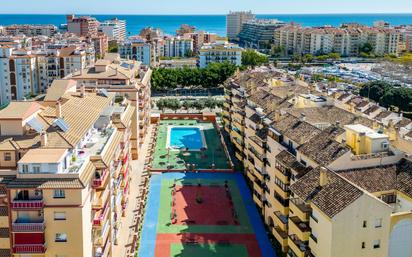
(160, 238)
(213, 158)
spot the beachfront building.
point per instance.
(177, 47)
(347, 40)
(258, 34)
(29, 30)
(327, 202)
(139, 49)
(129, 80)
(82, 26)
(235, 21)
(115, 29)
(64, 173)
(220, 51)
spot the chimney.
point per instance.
(82, 90)
(277, 115)
(58, 109)
(302, 117)
(43, 139)
(323, 177)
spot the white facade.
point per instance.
(139, 50)
(220, 52)
(114, 29)
(177, 47)
(234, 22)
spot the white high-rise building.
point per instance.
(178, 47)
(114, 29)
(235, 21)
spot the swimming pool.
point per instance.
(186, 137)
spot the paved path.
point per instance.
(125, 234)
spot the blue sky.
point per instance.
(204, 6)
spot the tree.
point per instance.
(113, 47)
(251, 57)
(366, 50)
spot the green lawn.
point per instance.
(165, 209)
(208, 250)
(177, 159)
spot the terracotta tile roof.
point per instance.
(383, 115)
(383, 178)
(332, 198)
(43, 155)
(331, 115)
(52, 183)
(403, 123)
(371, 109)
(323, 148)
(19, 110)
(58, 88)
(4, 232)
(5, 253)
(293, 128)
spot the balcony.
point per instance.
(35, 203)
(299, 209)
(281, 192)
(284, 177)
(257, 200)
(257, 186)
(28, 226)
(280, 220)
(281, 205)
(101, 235)
(281, 236)
(100, 198)
(100, 179)
(29, 248)
(298, 247)
(100, 216)
(299, 228)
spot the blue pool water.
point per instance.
(185, 137)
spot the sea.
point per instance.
(210, 23)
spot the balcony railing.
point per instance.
(97, 221)
(20, 226)
(27, 204)
(29, 248)
(98, 182)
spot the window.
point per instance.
(378, 223)
(25, 168)
(36, 169)
(7, 157)
(59, 193)
(59, 215)
(364, 224)
(61, 237)
(363, 245)
(376, 244)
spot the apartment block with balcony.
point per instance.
(298, 135)
(63, 165)
(220, 51)
(129, 80)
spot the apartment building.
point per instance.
(235, 21)
(114, 29)
(346, 40)
(177, 47)
(258, 34)
(82, 26)
(201, 37)
(101, 43)
(220, 51)
(184, 29)
(139, 49)
(30, 30)
(128, 79)
(65, 173)
(317, 171)
(30, 72)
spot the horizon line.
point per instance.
(216, 14)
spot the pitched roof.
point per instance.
(383, 178)
(332, 198)
(295, 129)
(58, 88)
(52, 183)
(290, 161)
(20, 110)
(323, 148)
(43, 155)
